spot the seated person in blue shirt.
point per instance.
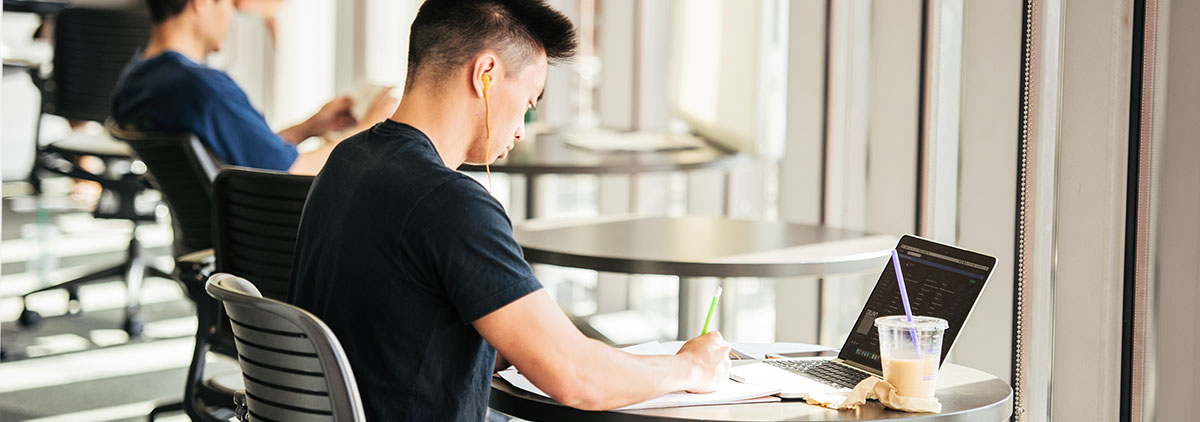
(168, 88)
(415, 268)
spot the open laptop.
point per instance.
(942, 280)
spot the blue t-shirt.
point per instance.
(171, 93)
(399, 254)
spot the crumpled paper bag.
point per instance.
(875, 388)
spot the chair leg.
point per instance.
(110, 272)
(35, 180)
(155, 272)
(30, 318)
(164, 408)
(135, 271)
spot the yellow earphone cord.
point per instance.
(487, 158)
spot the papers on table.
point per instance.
(754, 350)
(760, 350)
(611, 141)
(729, 392)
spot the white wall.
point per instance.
(987, 178)
(1177, 315)
(1090, 224)
(304, 60)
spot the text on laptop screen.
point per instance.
(942, 281)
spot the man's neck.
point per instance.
(176, 35)
(440, 119)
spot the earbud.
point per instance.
(487, 84)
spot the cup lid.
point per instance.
(918, 322)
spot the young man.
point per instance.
(413, 264)
(167, 88)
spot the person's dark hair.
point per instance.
(448, 33)
(161, 10)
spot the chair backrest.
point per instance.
(182, 169)
(256, 214)
(293, 366)
(91, 48)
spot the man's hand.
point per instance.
(264, 8)
(332, 117)
(710, 355)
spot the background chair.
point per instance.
(91, 47)
(293, 365)
(182, 169)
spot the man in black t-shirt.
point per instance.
(413, 265)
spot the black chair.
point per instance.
(91, 48)
(181, 167)
(255, 215)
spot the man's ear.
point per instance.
(486, 63)
(198, 6)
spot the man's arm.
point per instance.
(311, 162)
(333, 116)
(336, 116)
(534, 334)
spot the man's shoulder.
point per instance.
(459, 197)
(170, 75)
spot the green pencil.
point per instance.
(711, 309)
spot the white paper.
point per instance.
(611, 141)
(652, 348)
(760, 350)
(728, 392)
(754, 350)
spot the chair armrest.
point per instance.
(239, 403)
(194, 268)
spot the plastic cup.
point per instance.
(911, 352)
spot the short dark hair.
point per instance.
(161, 10)
(448, 33)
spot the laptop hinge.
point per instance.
(860, 367)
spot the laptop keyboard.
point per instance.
(825, 371)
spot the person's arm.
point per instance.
(534, 334)
(311, 162)
(501, 363)
(333, 116)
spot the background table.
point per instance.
(701, 246)
(41, 7)
(966, 395)
(547, 153)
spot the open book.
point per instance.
(729, 392)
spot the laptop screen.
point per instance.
(942, 281)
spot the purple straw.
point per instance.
(904, 299)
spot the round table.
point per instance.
(548, 153)
(41, 7)
(966, 395)
(701, 246)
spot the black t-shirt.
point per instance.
(399, 254)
